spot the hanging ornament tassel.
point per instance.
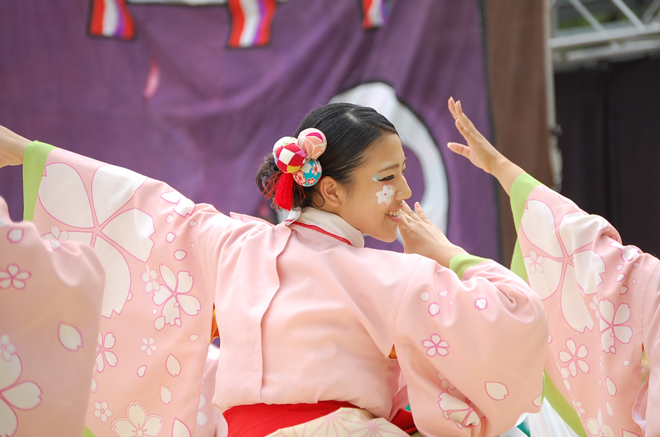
(284, 192)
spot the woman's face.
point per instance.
(379, 187)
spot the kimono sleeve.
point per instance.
(50, 308)
(471, 347)
(596, 293)
(155, 246)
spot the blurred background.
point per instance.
(196, 92)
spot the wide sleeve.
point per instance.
(155, 246)
(50, 306)
(596, 293)
(471, 344)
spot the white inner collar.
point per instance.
(329, 222)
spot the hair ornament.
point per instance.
(297, 159)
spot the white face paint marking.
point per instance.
(386, 195)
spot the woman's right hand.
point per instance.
(12, 147)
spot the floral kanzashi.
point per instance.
(574, 359)
(13, 277)
(597, 427)
(436, 346)
(102, 411)
(25, 395)
(148, 346)
(137, 423)
(103, 353)
(534, 263)
(174, 297)
(612, 325)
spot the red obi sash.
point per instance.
(259, 420)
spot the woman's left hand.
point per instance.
(422, 237)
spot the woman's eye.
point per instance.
(404, 171)
(388, 178)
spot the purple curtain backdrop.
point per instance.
(217, 111)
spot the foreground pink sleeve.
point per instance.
(471, 348)
(156, 248)
(601, 299)
(50, 306)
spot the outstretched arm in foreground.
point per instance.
(12, 147)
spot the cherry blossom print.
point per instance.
(102, 411)
(94, 217)
(2, 223)
(534, 263)
(424, 296)
(597, 427)
(569, 265)
(173, 365)
(446, 385)
(436, 346)
(180, 429)
(15, 235)
(103, 353)
(612, 326)
(611, 387)
(610, 410)
(141, 371)
(385, 195)
(14, 277)
(628, 253)
(578, 408)
(538, 401)
(481, 303)
(461, 413)
(7, 349)
(183, 206)
(70, 337)
(137, 423)
(574, 359)
(434, 309)
(174, 298)
(148, 346)
(627, 433)
(24, 395)
(165, 395)
(150, 279)
(56, 234)
(497, 391)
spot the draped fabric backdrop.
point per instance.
(178, 104)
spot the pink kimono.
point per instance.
(305, 313)
(50, 301)
(603, 304)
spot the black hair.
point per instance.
(349, 131)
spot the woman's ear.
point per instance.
(331, 191)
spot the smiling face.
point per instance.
(372, 204)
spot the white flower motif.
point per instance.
(461, 413)
(534, 263)
(612, 325)
(13, 277)
(102, 411)
(56, 234)
(150, 279)
(597, 427)
(173, 294)
(103, 353)
(7, 350)
(578, 408)
(148, 346)
(202, 419)
(386, 195)
(574, 359)
(93, 217)
(435, 346)
(137, 423)
(13, 395)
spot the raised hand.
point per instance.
(479, 150)
(12, 147)
(422, 237)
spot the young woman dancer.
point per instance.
(317, 331)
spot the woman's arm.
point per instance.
(480, 151)
(12, 147)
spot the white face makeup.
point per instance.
(386, 195)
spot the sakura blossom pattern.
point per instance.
(589, 283)
(139, 228)
(13, 277)
(385, 195)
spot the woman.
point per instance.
(315, 328)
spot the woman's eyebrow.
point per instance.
(393, 166)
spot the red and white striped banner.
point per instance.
(251, 20)
(375, 13)
(111, 18)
